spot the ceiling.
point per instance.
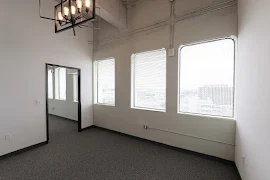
(130, 2)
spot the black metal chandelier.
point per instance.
(72, 13)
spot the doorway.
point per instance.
(63, 96)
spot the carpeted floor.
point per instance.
(97, 154)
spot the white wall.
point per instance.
(26, 44)
(66, 108)
(122, 118)
(253, 86)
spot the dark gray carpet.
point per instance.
(99, 154)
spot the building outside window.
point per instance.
(148, 77)
(206, 78)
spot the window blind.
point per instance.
(63, 83)
(106, 81)
(50, 84)
(149, 80)
(56, 83)
(75, 88)
(60, 83)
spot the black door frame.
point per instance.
(47, 99)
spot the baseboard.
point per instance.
(224, 161)
(22, 150)
(134, 137)
(87, 128)
(71, 120)
(237, 171)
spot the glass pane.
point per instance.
(149, 80)
(106, 81)
(207, 78)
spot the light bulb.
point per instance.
(66, 11)
(87, 3)
(73, 10)
(79, 4)
(60, 17)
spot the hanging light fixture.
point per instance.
(72, 13)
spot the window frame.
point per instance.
(234, 40)
(96, 82)
(132, 76)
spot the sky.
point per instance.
(209, 63)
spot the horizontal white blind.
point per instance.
(106, 82)
(50, 83)
(207, 78)
(149, 80)
(75, 88)
(60, 83)
(56, 83)
(63, 83)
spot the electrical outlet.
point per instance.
(7, 137)
(38, 102)
(145, 126)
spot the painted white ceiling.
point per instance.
(130, 2)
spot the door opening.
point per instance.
(63, 96)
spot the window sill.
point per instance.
(60, 99)
(100, 104)
(148, 109)
(206, 116)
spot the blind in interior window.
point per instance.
(63, 83)
(60, 83)
(149, 80)
(50, 84)
(56, 83)
(106, 81)
(75, 87)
